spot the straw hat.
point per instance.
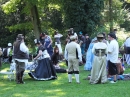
(100, 35)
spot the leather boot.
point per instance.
(18, 78)
(21, 77)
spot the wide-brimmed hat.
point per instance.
(100, 35)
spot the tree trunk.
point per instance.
(36, 21)
(110, 15)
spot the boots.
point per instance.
(70, 78)
(21, 77)
(18, 78)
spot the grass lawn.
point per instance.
(61, 88)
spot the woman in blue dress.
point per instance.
(48, 44)
(45, 69)
(89, 56)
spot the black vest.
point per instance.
(18, 53)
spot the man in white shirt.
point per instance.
(74, 56)
(113, 50)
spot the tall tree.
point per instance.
(29, 8)
(83, 15)
(114, 13)
(110, 15)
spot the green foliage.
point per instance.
(10, 6)
(89, 16)
(128, 1)
(21, 26)
(120, 41)
(126, 23)
(83, 15)
(118, 15)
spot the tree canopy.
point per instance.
(37, 16)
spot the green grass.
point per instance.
(61, 88)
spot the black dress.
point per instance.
(45, 70)
(55, 60)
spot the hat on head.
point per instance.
(20, 36)
(73, 37)
(100, 35)
(86, 35)
(80, 33)
(112, 35)
(9, 44)
(36, 41)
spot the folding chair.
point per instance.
(9, 74)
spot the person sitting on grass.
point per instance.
(55, 60)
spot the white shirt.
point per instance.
(24, 48)
(8, 51)
(113, 48)
(58, 36)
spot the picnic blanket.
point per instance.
(119, 77)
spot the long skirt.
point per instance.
(44, 71)
(98, 72)
(89, 60)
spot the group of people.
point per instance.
(45, 69)
(101, 56)
(102, 59)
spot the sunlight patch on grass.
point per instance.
(56, 83)
(18, 95)
(7, 88)
(62, 64)
(5, 69)
(58, 92)
(2, 84)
